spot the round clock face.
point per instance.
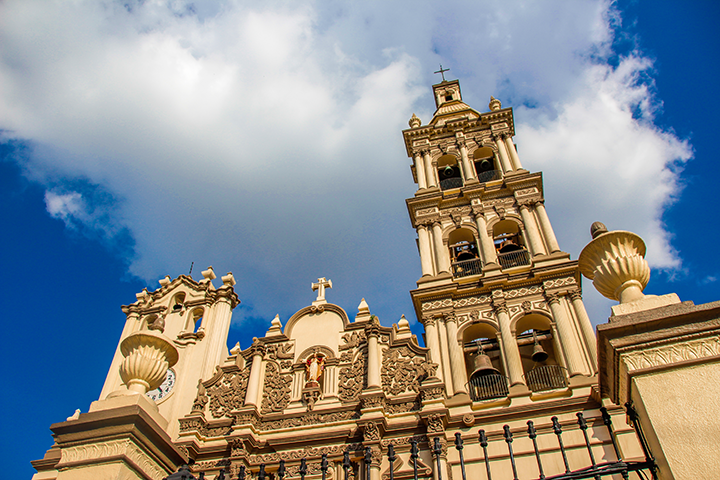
(165, 388)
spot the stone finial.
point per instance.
(142, 295)
(414, 121)
(363, 311)
(403, 328)
(615, 262)
(597, 229)
(148, 356)
(228, 280)
(275, 327)
(209, 274)
(236, 349)
(165, 281)
(495, 104)
(74, 416)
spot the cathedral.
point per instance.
(509, 381)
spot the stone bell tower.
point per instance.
(498, 297)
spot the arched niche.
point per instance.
(534, 330)
(314, 326)
(194, 321)
(485, 335)
(485, 163)
(449, 173)
(463, 245)
(510, 244)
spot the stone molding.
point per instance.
(124, 449)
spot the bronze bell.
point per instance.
(538, 355)
(483, 366)
(485, 165)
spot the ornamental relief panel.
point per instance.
(521, 292)
(434, 305)
(426, 211)
(352, 380)
(276, 392)
(470, 301)
(559, 282)
(403, 370)
(670, 354)
(228, 392)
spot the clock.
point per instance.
(164, 389)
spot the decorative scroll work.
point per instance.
(351, 381)
(280, 352)
(228, 393)
(402, 370)
(669, 354)
(352, 340)
(276, 394)
(114, 448)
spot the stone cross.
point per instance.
(320, 286)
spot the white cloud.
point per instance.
(266, 138)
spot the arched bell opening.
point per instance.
(449, 172)
(464, 253)
(483, 363)
(178, 302)
(537, 353)
(195, 320)
(485, 164)
(510, 244)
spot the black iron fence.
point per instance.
(546, 377)
(486, 387)
(594, 470)
(514, 259)
(463, 268)
(488, 176)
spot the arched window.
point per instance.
(537, 352)
(449, 172)
(464, 253)
(178, 302)
(483, 362)
(195, 320)
(509, 244)
(485, 165)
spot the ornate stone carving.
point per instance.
(114, 448)
(277, 389)
(280, 351)
(353, 340)
(434, 305)
(402, 370)
(394, 408)
(371, 432)
(228, 393)
(372, 401)
(351, 381)
(435, 424)
(559, 282)
(470, 301)
(673, 353)
(433, 393)
(526, 306)
(201, 399)
(523, 291)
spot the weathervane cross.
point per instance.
(442, 71)
(320, 286)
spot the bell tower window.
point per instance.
(485, 166)
(483, 362)
(464, 253)
(538, 356)
(449, 172)
(510, 245)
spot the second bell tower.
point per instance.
(500, 302)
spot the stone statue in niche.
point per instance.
(314, 366)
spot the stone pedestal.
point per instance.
(667, 362)
(122, 442)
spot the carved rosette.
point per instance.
(148, 355)
(615, 262)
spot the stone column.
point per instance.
(504, 160)
(513, 153)
(546, 227)
(536, 246)
(431, 173)
(253, 387)
(585, 326)
(426, 262)
(431, 337)
(420, 171)
(442, 260)
(467, 166)
(569, 346)
(445, 364)
(510, 347)
(372, 333)
(457, 362)
(218, 330)
(487, 247)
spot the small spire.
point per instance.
(236, 349)
(414, 122)
(275, 327)
(495, 104)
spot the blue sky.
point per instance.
(266, 142)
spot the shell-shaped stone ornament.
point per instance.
(615, 262)
(148, 355)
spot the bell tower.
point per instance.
(500, 301)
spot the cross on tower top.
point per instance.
(320, 286)
(442, 72)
